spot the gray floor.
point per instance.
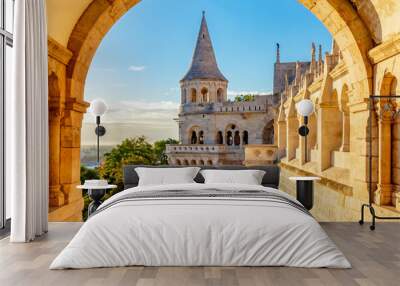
(375, 257)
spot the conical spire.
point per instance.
(204, 64)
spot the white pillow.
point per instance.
(166, 176)
(247, 177)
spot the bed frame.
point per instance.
(270, 179)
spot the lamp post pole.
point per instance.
(305, 138)
(98, 139)
(98, 108)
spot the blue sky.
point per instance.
(138, 65)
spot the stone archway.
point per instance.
(339, 17)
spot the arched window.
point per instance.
(245, 137)
(220, 138)
(220, 95)
(193, 138)
(268, 133)
(237, 138)
(183, 96)
(229, 138)
(204, 94)
(193, 95)
(201, 137)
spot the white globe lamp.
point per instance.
(98, 107)
(305, 108)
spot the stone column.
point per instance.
(328, 133)
(345, 147)
(396, 162)
(383, 195)
(70, 157)
(292, 137)
(56, 197)
(281, 137)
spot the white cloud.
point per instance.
(102, 69)
(136, 111)
(136, 68)
(131, 118)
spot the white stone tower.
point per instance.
(204, 82)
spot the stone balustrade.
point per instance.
(260, 154)
(201, 148)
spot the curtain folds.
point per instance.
(27, 123)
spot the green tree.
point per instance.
(244, 97)
(88, 174)
(132, 151)
(159, 150)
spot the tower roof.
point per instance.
(204, 64)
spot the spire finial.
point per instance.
(204, 13)
(320, 53)
(278, 53)
(313, 51)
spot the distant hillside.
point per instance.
(89, 154)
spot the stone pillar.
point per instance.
(328, 133)
(396, 162)
(70, 157)
(281, 138)
(383, 194)
(56, 197)
(345, 147)
(292, 137)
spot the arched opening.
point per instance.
(193, 162)
(186, 162)
(193, 138)
(202, 162)
(353, 37)
(220, 138)
(229, 138)
(178, 162)
(268, 133)
(184, 95)
(245, 137)
(236, 138)
(193, 95)
(220, 95)
(204, 95)
(209, 163)
(335, 131)
(388, 143)
(201, 137)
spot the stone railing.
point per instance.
(260, 154)
(202, 148)
(260, 103)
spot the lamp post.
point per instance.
(305, 185)
(98, 108)
(305, 108)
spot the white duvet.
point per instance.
(202, 232)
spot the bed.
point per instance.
(197, 224)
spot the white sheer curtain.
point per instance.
(27, 123)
